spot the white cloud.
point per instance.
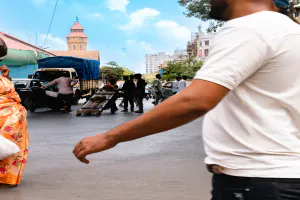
(54, 43)
(138, 18)
(172, 28)
(144, 46)
(96, 16)
(119, 5)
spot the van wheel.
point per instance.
(32, 107)
(27, 103)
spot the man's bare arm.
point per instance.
(192, 103)
(51, 83)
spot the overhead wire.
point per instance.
(50, 23)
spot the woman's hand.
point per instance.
(92, 145)
(5, 71)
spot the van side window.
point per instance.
(74, 74)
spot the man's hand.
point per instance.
(192, 103)
(92, 145)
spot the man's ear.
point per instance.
(3, 48)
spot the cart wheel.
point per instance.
(78, 114)
(98, 114)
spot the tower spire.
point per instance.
(77, 19)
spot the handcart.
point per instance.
(100, 101)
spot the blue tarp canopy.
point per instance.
(86, 69)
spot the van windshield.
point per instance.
(50, 75)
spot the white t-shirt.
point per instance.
(255, 130)
(181, 85)
(175, 86)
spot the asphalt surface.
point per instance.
(168, 166)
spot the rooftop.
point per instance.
(77, 26)
(77, 34)
(15, 43)
(93, 55)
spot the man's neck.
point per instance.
(250, 8)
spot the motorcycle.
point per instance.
(148, 94)
(42, 98)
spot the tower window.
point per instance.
(74, 47)
(81, 47)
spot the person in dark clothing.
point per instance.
(157, 88)
(112, 86)
(129, 89)
(140, 92)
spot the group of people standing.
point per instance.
(179, 84)
(134, 92)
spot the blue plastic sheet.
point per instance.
(86, 69)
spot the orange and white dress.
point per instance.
(13, 126)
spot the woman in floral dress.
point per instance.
(13, 126)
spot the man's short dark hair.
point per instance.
(3, 48)
(138, 75)
(158, 76)
(131, 77)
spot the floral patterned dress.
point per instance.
(13, 126)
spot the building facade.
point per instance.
(203, 46)
(77, 39)
(199, 45)
(22, 57)
(153, 61)
(77, 42)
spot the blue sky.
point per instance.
(136, 26)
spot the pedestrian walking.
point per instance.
(175, 85)
(140, 92)
(251, 101)
(157, 88)
(13, 126)
(129, 91)
(182, 84)
(65, 89)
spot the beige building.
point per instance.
(77, 42)
(199, 45)
(77, 39)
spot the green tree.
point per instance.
(187, 68)
(112, 64)
(113, 70)
(200, 9)
(127, 72)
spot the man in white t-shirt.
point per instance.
(175, 85)
(250, 88)
(182, 84)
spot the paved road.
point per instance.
(168, 166)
